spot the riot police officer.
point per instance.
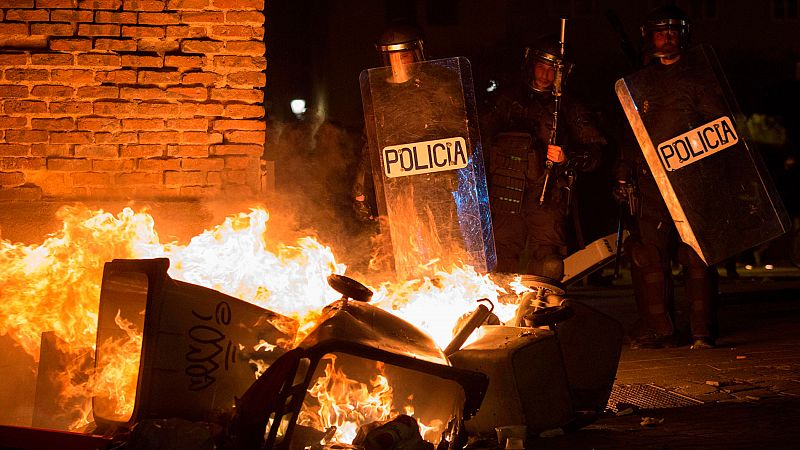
(530, 173)
(654, 240)
(397, 46)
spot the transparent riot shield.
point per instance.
(692, 136)
(428, 165)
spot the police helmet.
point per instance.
(666, 17)
(545, 50)
(400, 38)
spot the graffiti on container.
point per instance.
(207, 347)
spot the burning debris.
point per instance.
(246, 336)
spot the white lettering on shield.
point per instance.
(698, 143)
(424, 157)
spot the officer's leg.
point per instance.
(546, 261)
(650, 270)
(547, 241)
(509, 241)
(700, 282)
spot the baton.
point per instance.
(559, 66)
(618, 250)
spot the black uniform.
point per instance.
(654, 240)
(542, 228)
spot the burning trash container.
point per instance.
(177, 350)
(361, 373)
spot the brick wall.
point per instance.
(131, 98)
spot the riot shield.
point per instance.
(692, 136)
(428, 166)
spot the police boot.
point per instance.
(656, 328)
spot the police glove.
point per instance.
(362, 210)
(620, 192)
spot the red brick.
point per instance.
(202, 46)
(62, 123)
(245, 48)
(27, 75)
(200, 151)
(113, 165)
(143, 124)
(88, 29)
(233, 31)
(69, 164)
(24, 107)
(239, 17)
(152, 45)
(240, 62)
(13, 59)
(200, 191)
(142, 61)
(200, 109)
(204, 78)
(115, 109)
(243, 95)
(27, 15)
(183, 61)
(53, 29)
(141, 93)
(116, 138)
(52, 91)
(98, 60)
(187, 5)
(51, 150)
(200, 137)
(71, 137)
(16, 3)
(157, 109)
(142, 151)
(159, 137)
(70, 45)
(236, 177)
(195, 124)
(72, 76)
(98, 92)
(52, 4)
(188, 93)
(10, 164)
(182, 31)
(237, 149)
(11, 178)
(142, 31)
(98, 124)
(7, 122)
(240, 162)
(13, 91)
(184, 178)
(14, 149)
(205, 164)
(100, 4)
(224, 125)
(203, 17)
(71, 15)
(158, 164)
(116, 45)
(159, 77)
(13, 29)
(97, 151)
(71, 108)
(244, 111)
(136, 178)
(90, 179)
(143, 5)
(51, 59)
(214, 178)
(122, 76)
(238, 4)
(158, 18)
(26, 136)
(114, 17)
(256, 79)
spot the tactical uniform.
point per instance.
(542, 228)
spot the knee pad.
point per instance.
(643, 254)
(690, 259)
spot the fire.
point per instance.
(55, 286)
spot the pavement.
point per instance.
(743, 394)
